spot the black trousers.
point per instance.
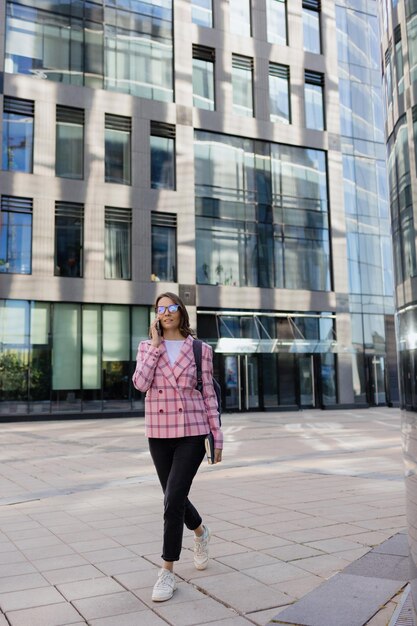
(176, 461)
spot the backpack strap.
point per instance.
(197, 349)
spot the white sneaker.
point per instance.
(165, 586)
(201, 549)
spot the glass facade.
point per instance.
(17, 148)
(69, 357)
(262, 214)
(94, 44)
(291, 362)
(259, 190)
(402, 215)
(368, 229)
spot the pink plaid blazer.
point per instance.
(173, 406)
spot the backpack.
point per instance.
(197, 349)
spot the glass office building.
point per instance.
(399, 53)
(230, 152)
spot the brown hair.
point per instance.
(184, 328)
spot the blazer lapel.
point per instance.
(185, 357)
(165, 366)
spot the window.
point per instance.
(388, 77)
(164, 247)
(17, 135)
(314, 100)
(311, 26)
(412, 47)
(125, 48)
(242, 82)
(202, 12)
(118, 149)
(240, 20)
(276, 19)
(16, 235)
(261, 214)
(203, 77)
(118, 225)
(399, 61)
(162, 156)
(69, 219)
(69, 160)
(279, 97)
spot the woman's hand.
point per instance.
(156, 338)
(217, 455)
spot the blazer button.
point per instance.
(161, 410)
(180, 410)
(160, 391)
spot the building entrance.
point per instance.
(257, 382)
(375, 369)
(240, 382)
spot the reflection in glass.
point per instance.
(314, 106)
(68, 240)
(240, 241)
(117, 156)
(203, 84)
(240, 18)
(69, 161)
(15, 242)
(311, 30)
(116, 355)
(118, 243)
(242, 77)
(17, 142)
(128, 49)
(276, 19)
(279, 97)
(164, 253)
(202, 12)
(162, 162)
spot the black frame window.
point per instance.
(17, 150)
(118, 149)
(16, 235)
(163, 158)
(69, 226)
(69, 143)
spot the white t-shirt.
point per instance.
(173, 349)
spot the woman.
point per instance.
(177, 419)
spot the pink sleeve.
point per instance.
(146, 360)
(209, 395)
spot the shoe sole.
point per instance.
(164, 599)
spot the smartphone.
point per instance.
(158, 328)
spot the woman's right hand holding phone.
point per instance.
(156, 337)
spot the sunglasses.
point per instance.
(172, 308)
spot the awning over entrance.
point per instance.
(229, 345)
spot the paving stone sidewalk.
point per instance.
(298, 498)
